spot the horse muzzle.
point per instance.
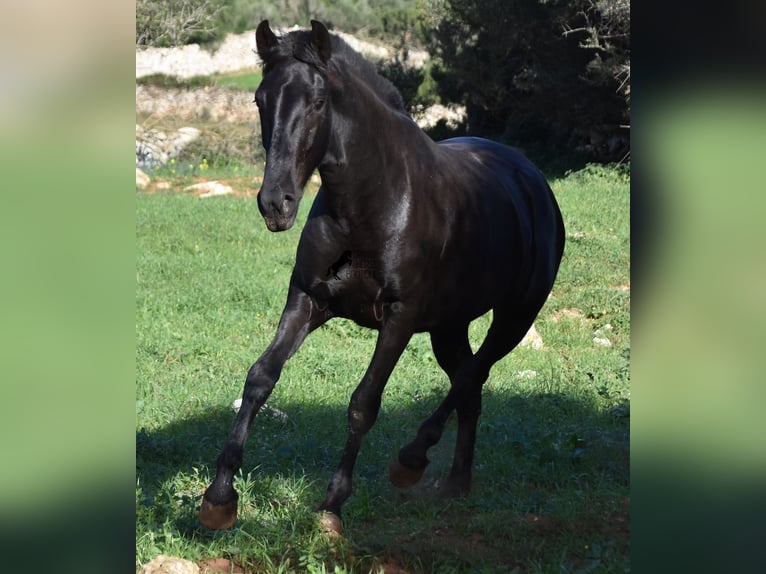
(278, 210)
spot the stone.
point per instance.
(281, 416)
(169, 565)
(532, 339)
(237, 52)
(154, 148)
(142, 180)
(210, 188)
(600, 336)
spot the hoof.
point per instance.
(218, 516)
(402, 476)
(330, 523)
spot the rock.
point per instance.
(210, 188)
(532, 339)
(142, 180)
(600, 338)
(237, 52)
(182, 137)
(169, 565)
(154, 147)
(281, 416)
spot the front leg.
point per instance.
(363, 409)
(300, 316)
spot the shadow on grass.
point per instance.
(551, 478)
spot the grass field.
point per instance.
(551, 475)
(247, 80)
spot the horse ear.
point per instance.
(320, 40)
(265, 39)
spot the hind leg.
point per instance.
(451, 349)
(508, 328)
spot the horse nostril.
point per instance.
(287, 203)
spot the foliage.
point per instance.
(412, 82)
(387, 18)
(176, 22)
(223, 143)
(551, 76)
(551, 469)
(404, 28)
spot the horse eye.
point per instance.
(318, 104)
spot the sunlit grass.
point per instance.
(244, 80)
(551, 469)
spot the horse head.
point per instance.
(293, 103)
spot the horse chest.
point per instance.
(352, 286)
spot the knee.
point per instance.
(360, 420)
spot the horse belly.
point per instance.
(480, 271)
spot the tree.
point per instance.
(540, 74)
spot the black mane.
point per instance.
(297, 45)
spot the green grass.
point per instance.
(551, 476)
(246, 80)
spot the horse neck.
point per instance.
(366, 154)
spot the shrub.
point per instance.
(176, 22)
(546, 75)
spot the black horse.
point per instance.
(405, 235)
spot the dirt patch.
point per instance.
(240, 186)
(571, 314)
(220, 566)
